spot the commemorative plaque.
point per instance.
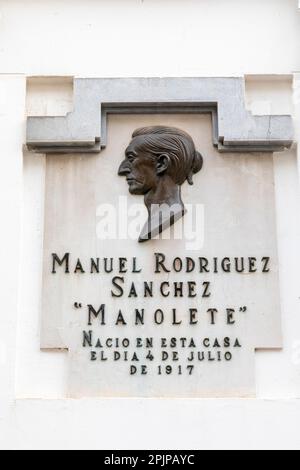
(160, 272)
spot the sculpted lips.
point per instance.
(132, 180)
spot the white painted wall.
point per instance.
(149, 37)
(136, 38)
(12, 121)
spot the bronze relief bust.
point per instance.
(158, 161)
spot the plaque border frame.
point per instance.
(84, 130)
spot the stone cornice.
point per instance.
(84, 129)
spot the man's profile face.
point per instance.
(139, 168)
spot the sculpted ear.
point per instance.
(162, 164)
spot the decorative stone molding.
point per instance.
(84, 130)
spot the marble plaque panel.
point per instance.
(168, 317)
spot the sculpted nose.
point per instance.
(124, 168)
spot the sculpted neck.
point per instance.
(166, 195)
(166, 192)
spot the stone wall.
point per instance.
(41, 40)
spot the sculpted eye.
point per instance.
(130, 157)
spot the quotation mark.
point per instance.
(243, 309)
(77, 305)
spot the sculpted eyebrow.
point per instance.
(130, 152)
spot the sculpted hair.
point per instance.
(178, 145)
